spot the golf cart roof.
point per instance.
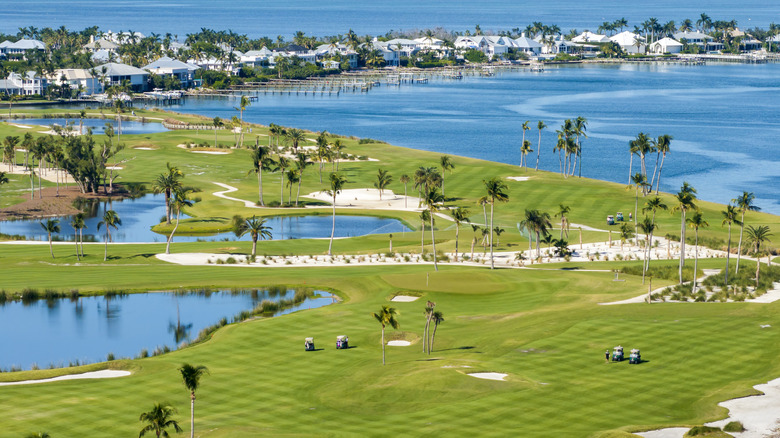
(340, 337)
(635, 350)
(618, 347)
(309, 339)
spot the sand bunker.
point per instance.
(210, 152)
(114, 167)
(404, 299)
(144, 149)
(518, 178)
(369, 199)
(489, 376)
(105, 374)
(399, 343)
(20, 126)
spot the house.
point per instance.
(256, 58)
(665, 45)
(100, 44)
(404, 46)
(20, 47)
(115, 74)
(490, 46)
(555, 44)
(392, 57)
(629, 42)
(123, 37)
(429, 43)
(747, 42)
(342, 51)
(165, 66)
(77, 79)
(589, 37)
(26, 84)
(528, 46)
(706, 42)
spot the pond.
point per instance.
(138, 215)
(97, 125)
(59, 332)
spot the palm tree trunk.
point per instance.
(168, 206)
(538, 150)
(658, 183)
(192, 416)
(405, 197)
(254, 246)
(457, 235)
(330, 247)
(682, 245)
(81, 238)
(281, 189)
(630, 166)
(433, 243)
(76, 238)
(105, 253)
(695, 261)
(739, 247)
(260, 186)
(298, 193)
(422, 238)
(492, 265)
(538, 241)
(170, 238)
(728, 254)
(655, 169)
(383, 344)
(51, 248)
(433, 337)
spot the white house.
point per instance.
(20, 47)
(702, 40)
(27, 84)
(392, 57)
(166, 66)
(558, 44)
(331, 50)
(629, 42)
(490, 46)
(115, 74)
(77, 79)
(589, 37)
(666, 45)
(429, 43)
(528, 46)
(100, 44)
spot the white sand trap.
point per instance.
(399, 343)
(518, 178)
(369, 199)
(489, 376)
(671, 432)
(210, 152)
(104, 374)
(404, 299)
(20, 126)
(144, 149)
(114, 167)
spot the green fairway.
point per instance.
(543, 326)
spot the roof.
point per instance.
(23, 44)
(626, 38)
(590, 37)
(166, 63)
(116, 69)
(667, 42)
(691, 36)
(102, 44)
(524, 42)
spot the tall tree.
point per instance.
(428, 313)
(522, 142)
(256, 229)
(386, 316)
(524, 151)
(729, 217)
(217, 122)
(261, 161)
(294, 137)
(563, 211)
(685, 202)
(190, 376)
(662, 147)
(696, 221)
(78, 225)
(446, 166)
(405, 180)
(51, 226)
(539, 125)
(168, 182)
(301, 163)
(433, 199)
(757, 236)
(159, 419)
(179, 201)
(580, 127)
(383, 179)
(638, 180)
(460, 215)
(652, 205)
(437, 319)
(337, 183)
(495, 190)
(242, 106)
(744, 203)
(110, 220)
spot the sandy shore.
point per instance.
(104, 374)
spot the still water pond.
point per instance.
(138, 215)
(98, 125)
(87, 329)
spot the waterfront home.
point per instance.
(392, 57)
(590, 37)
(256, 58)
(20, 47)
(747, 42)
(100, 44)
(553, 45)
(403, 46)
(123, 37)
(326, 52)
(629, 42)
(527, 45)
(167, 67)
(492, 46)
(26, 84)
(115, 74)
(77, 79)
(706, 42)
(429, 43)
(665, 45)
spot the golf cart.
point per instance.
(635, 357)
(342, 342)
(610, 220)
(617, 354)
(619, 216)
(309, 344)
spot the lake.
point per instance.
(724, 119)
(98, 125)
(140, 214)
(87, 329)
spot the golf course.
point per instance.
(535, 319)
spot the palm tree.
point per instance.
(432, 200)
(496, 191)
(446, 166)
(685, 202)
(563, 211)
(168, 183)
(539, 125)
(580, 126)
(460, 215)
(425, 216)
(383, 179)
(386, 317)
(51, 226)
(110, 220)
(301, 163)
(178, 202)
(638, 180)
(696, 221)
(632, 149)
(405, 180)
(744, 203)
(159, 419)
(437, 319)
(647, 225)
(295, 136)
(261, 160)
(191, 377)
(78, 224)
(337, 183)
(522, 143)
(217, 122)
(292, 178)
(257, 230)
(757, 236)
(428, 312)
(653, 205)
(3, 178)
(524, 151)
(662, 146)
(245, 102)
(729, 217)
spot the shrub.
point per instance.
(734, 426)
(701, 430)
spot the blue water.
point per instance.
(724, 119)
(283, 17)
(87, 329)
(140, 214)
(98, 125)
